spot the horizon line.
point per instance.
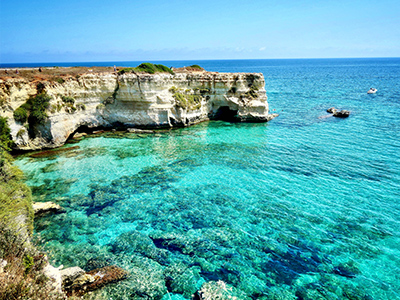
(172, 60)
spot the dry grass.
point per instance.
(22, 277)
(58, 73)
(53, 73)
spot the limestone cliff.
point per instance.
(132, 100)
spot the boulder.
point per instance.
(136, 130)
(95, 279)
(331, 110)
(42, 208)
(69, 275)
(55, 275)
(341, 114)
(79, 135)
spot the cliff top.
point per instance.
(58, 74)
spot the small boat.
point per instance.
(372, 91)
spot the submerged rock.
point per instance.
(219, 290)
(149, 280)
(136, 130)
(53, 152)
(181, 279)
(97, 263)
(42, 208)
(339, 114)
(95, 279)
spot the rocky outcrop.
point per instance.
(331, 110)
(341, 114)
(54, 274)
(75, 282)
(42, 208)
(158, 100)
(338, 113)
(95, 279)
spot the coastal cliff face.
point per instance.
(158, 100)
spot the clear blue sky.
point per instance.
(130, 30)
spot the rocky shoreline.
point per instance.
(45, 113)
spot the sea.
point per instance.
(306, 206)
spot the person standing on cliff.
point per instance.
(115, 68)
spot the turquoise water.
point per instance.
(303, 207)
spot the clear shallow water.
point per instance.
(303, 207)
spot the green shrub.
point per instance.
(21, 115)
(53, 108)
(162, 68)
(28, 263)
(6, 141)
(33, 111)
(100, 106)
(81, 106)
(202, 90)
(59, 80)
(251, 93)
(38, 107)
(125, 70)
(196, 67)
(232, 90)
(173, 90)
(21, 132)
(187, 101)
(147, 68)
(67, 99)
(3, 101)
(40, 87)
(69, 108)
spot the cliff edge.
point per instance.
(44, 113)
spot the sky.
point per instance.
(130, 30)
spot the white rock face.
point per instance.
(132, 100)
(55, 275)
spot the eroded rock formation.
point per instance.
(132, 100)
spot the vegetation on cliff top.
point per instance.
(63, 74)
(147, 68)
(196, 67)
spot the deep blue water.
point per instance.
(303, 207)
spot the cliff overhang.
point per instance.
(109, 99)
